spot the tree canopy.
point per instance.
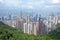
(10, 33)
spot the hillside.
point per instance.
(9, 33)
(56, 33)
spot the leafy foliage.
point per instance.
(9, 33)
(56, 33)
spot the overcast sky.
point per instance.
(31, 4)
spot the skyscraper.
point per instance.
(42, 28)
(35, 28)
(17, 22)
(21, 23)
(0, 18)
(10, 17)
(28, 28)
(52, 21)
(3, 18)
(55, 20)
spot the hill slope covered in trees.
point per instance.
(9, 33)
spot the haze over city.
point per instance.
(29, 19)
(45, 7)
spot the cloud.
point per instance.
(1, 1)
(11, 3)
(27, 7)
(55, 1)
(48, 6)
(30, 4)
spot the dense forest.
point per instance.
(9, 33)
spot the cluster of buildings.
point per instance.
(36, 25)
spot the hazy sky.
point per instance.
(39, 5)
(29, 3)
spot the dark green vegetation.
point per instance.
(56, 33)
(9, 33)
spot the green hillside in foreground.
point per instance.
(9, 33)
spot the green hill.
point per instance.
(10, 33)
(7, 32)
(56, 33)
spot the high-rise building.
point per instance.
(25, 28)
(31, 28)
(9, 22)
(21, 23)
(35, 28)
(17, 22)
(58, 21)
(13, 23)
(46, 24)
(10, 17)
(42, 28)
(28, 28)
(35, 18)
(51, 22)
(54, 23)
(55, 20)
(2, 18)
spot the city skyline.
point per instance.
(32, 25)
(29, 19)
